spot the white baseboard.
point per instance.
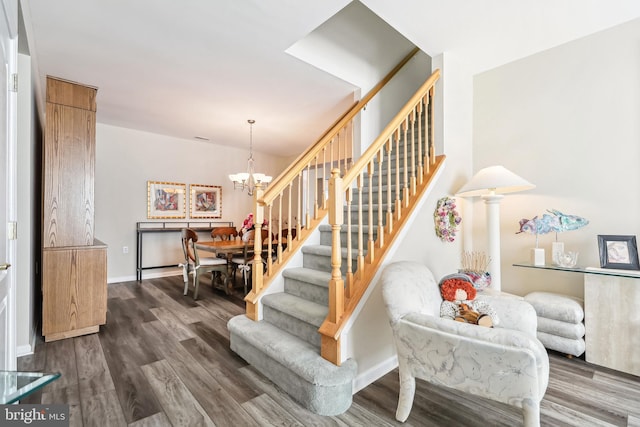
(375, 373)
(24, 350)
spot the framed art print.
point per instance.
(205, 201)
(619, 252)
(166, 199)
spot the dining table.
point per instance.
(226, 249)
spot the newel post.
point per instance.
(257, 241)
(330, 345)
(257, 272)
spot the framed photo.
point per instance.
(205, 201)
(166, 199)
(620, 252)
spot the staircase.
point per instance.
(292, 333)
(285, 344)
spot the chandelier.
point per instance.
(249, 179)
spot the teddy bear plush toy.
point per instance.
(460, 304)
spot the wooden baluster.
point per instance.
(425, 162)
(339, 155)
(387, 145)
(432, 142)
(299, 219)
(420, 168)
(269, 248)
(405, 155)
(351, 142)
(315, 190)
(380, 199)
(370, 250)
(399, 184)
(324, 177)
(413, 153)
(360, 265)
(331, 144)
(289, 223)
(307, 198)
(279, 247)
(349, 289)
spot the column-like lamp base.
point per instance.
(491, 183)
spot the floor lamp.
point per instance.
(490, 184)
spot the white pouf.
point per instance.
(560, 319)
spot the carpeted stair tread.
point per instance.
(308, 283)
(343, 228)
(309, 275)
(324, 250)
(292, 352)
(299, 308)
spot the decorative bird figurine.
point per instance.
(556, 222)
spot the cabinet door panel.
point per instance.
(74, 289)
(69, 166)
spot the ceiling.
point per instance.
(201, 68)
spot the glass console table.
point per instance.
(611, 301)
(16, 385)
(585, 270)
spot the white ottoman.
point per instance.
(560, 321)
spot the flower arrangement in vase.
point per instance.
(474, 265)
(248, 223)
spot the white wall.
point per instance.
(384, 106)
(126, 159)
(566, 120)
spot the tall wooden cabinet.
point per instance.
(74, 263)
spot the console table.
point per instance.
(143, 228)
(612, 322)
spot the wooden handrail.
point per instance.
(389, 130)
(290, 173)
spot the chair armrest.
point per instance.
(503, 336)
(513, 313)
(463, 355)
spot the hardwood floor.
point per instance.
(163, 359)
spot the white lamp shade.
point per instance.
(496, 180)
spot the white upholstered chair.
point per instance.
(506, 364)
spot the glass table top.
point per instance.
(16, 385)
(586, 270)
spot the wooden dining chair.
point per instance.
(244, 261)
(285, 237)
(224, 233)
(196, 265)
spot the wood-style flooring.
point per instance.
(163, 359)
